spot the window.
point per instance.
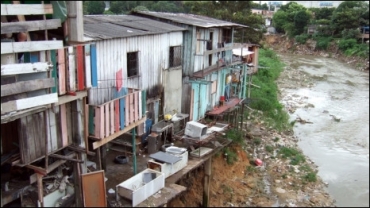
(175, 56)
(132, 64)
(226, 35)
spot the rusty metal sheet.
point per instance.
(93, 188)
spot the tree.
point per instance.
(123, 7)
(350, 15)
(301, 20)
(95, 7)
(289, 17)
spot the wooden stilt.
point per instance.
(98, 158)
(77, 183)
(207, 180)
(40, 189)
(103, 157)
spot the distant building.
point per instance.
(318, 4)
(267, 15)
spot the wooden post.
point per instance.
(75, 21)
(207, 180)
(98, 158)
(40, 189)
(103, 157)
(134, 150)
(77, 183)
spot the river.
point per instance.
(337, 140)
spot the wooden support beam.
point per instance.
(23, 113)
(115, 135)
(207, 180)
(80, 150)
(16, 27)
(69, 98)
(31, 102)
(17, 47)
(24, 68)
(38, 169)
(65, 158)
(26, 86)
(26, 9)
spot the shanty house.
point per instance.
(133, 55)
(44, 86)
(208, 61)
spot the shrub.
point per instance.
(345, 44)
(323, 43)
(350, 33)
(235, 135)
(231, 156)
(302, 38)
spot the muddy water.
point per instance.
(337, 140)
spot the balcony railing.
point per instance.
(115, 115)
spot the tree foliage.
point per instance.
(349, 15)
(291, 19)
(94, 7)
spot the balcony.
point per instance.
(116, 117)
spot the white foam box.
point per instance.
(169, 169)
(136, 190)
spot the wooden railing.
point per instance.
(113, 116)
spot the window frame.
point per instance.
(129, 65)
(175, 56)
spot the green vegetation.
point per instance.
(294, 155)
(332, 24)
(269, 148)
(257, 141)
(265, 98)
(276, 139)
(310, 177)
(230, 155)
(235, 135)
(94, 7)
(250, 169)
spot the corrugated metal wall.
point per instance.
(111, 54)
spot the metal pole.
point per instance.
(134, 150)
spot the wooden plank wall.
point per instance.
(32, 135)
(54, 125)
(115, 115)
(75, 65)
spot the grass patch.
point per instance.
(250, 169)
(257, 141)
(226, 189)
(310, 177)
(265, 98)
(235, 135)
(269, 148)
(276, 139)
(230, 155)
(305, 168)
(294, 155)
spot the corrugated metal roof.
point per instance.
(119, 26)
(191, 19)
